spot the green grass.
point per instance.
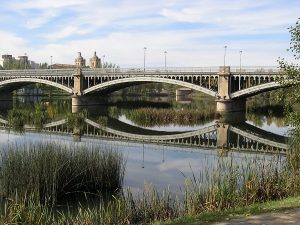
(257, 208)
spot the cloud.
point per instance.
(46, 4)
(193, 32)
(12, 44)
(38, 21)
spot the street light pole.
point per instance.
(145, 59)
(225, 48)
(241, 60)
(51, 62)
(240, 69)
(165, 60)
(103, 61)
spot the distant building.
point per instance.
(95, 61)
(79, 61)
(6, 59)
(23, 59)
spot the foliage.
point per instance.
(36, 116)
(109, 65)
(292, 71)
(15, 64)
(76, 120)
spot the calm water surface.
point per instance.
(160, 165)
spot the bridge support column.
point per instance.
(229, 106)
(78, 82)
(224, 102)
(224, 82)
(222, 139)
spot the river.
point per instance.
(160, 151)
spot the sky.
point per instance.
(193, 32)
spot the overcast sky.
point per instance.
(193, 32)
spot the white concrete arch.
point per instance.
(142, 137)
(34, 80)
(258, 138)
(255, 90)
(107, 84)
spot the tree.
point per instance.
(292, 72)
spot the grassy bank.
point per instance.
(219, 193)
(234, 213)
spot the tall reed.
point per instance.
(229, 185)
(150, 117)
(50, 171)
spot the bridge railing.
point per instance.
(70, 71)
(252, 69)
(154, 69)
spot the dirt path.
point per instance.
(289, 216)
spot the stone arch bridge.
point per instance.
(230, 86)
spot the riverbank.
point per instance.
(267, 208)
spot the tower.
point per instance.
(95, 61)
(80, 61)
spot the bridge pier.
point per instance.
(222, 139)
(87, 100)
(230, 106)
(224, 102)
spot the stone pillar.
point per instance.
(224, 102)
(78, 82)
(224, 82)
(229, 106)
(222, 139)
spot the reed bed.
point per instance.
(228, 186)
(150, 116)
(50, 172)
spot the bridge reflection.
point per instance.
(222, 136)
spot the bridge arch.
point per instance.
(248, 92)
(146, 79)
(27, 80)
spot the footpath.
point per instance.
(289, 216)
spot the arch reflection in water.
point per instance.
(221, 136)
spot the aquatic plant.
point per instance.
(50, 171)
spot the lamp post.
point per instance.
(103, 61)
(145, 59)
(240, 69)
(225, 48)
(51, 62)
(165, 60)
(241, 60)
